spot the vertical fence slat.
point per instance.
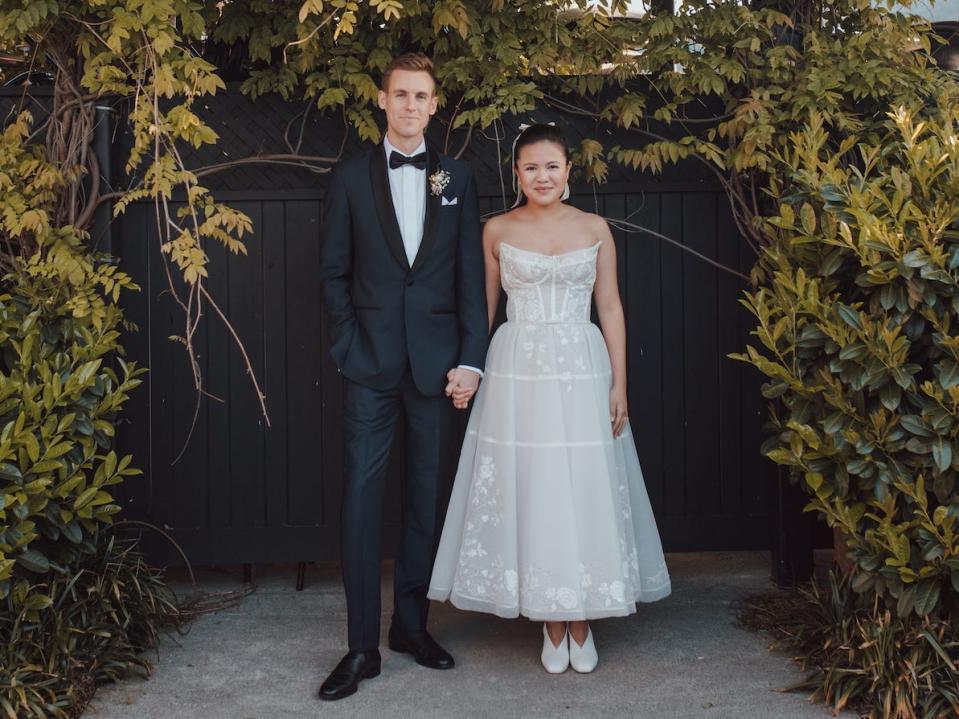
(309, 382)
(274, 379)
(730, 407)
(672, 314)
(644, 342)
(245, 293)
(701, 393)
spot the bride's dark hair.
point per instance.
(538, 133)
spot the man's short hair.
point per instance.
(413, 61)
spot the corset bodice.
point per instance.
(547, 288)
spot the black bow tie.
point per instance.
(398, 159)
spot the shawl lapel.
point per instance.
(431, 222)
(383, 200)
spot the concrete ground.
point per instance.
(265, 658)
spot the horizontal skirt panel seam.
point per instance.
(577, 323)
(544, 377)
(538, 445)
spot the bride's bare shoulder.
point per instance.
(499, 224)
(494, 223)
(494, 230)
(586, 221)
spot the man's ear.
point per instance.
(433, 104)
(381, 99)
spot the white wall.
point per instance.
(940, 10)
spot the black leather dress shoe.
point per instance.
(353, 668)
(422, 646)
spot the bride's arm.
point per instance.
(611, 320)
(491, 260)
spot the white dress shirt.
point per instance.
(408, 191)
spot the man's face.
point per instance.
(408, 101)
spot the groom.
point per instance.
(403, 287)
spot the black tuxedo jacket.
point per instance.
(385, 315)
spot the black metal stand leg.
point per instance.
(248, 574)
(300, 576)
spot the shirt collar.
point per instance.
(389, 148)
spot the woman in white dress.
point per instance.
(549, 516)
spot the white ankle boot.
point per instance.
(555, 659)
(583, 658)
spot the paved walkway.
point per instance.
(265, 658)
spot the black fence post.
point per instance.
(102, 234)
(791, 533)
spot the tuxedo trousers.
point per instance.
(369, 422)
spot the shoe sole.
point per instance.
(402, 649)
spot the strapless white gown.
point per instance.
(549, 516)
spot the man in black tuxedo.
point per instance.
(403, 287)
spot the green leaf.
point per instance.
(771, 390)
(849, 315)
(808, 217)
(33, 561)
(853, 351)
(914, 424)
(916, 258)
(37, 602)
(948, 371)
(10, 471)
(71, 530)
(906, 603)
(942, 454)
(331, 96)
(58, 450)
(927, 596)
(85, 497)
(902, 377)
(32, 445)
(85, 374)
(943, 485)
(890, 396)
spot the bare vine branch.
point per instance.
(292, 159)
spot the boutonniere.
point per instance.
(438, 182)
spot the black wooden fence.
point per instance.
(238, 491)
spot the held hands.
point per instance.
(462, 386)
(617, 410)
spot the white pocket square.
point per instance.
(447, 203)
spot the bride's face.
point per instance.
(543, 170)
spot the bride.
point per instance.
(549, 516)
